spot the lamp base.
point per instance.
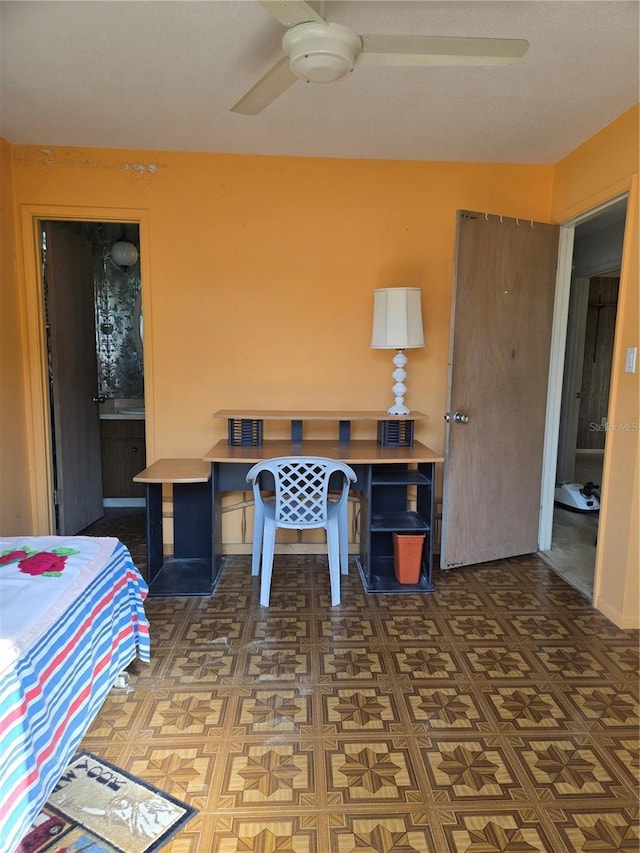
(399, 409)
(399, 389)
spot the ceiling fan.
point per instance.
(320, 51)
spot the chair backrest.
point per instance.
(301, 485)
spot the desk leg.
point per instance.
(154, 530)
(192, 520)
(363, 484)
(216, 531)
(190, 570)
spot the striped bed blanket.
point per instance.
(71, 619)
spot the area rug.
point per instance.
(98, 808)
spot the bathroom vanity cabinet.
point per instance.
(123, 456)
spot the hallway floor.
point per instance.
(498, 714)
(573, 549)
(573, 553)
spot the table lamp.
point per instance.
(397, 324)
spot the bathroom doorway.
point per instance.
(93, 324)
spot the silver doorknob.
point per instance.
(456, 418)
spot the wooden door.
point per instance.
(73, 378)
(502, 314)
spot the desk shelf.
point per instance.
(399, 521)
(387, 501)
(181, 577)
(381, 578)
(245, 426)
(402, 477)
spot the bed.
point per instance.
(71, 619)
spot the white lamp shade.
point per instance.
(124, 254)
(397, 318)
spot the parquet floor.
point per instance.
(498, 714)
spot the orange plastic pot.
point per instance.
(407, 556)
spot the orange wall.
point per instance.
(601, 168)
(258, 272)
(258, 275)
(597, 170)
(15, 502)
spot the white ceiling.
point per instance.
(164, 75)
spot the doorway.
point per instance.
(93, 323)
(590, 330)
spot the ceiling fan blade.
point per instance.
(276, 81)
(428, 50)
(291, 12)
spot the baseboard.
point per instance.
(619, 619)
(120, 502)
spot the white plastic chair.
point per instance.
(343, 525)
(301, 486)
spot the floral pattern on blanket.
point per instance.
(47, 564)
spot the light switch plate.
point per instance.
(630, 363)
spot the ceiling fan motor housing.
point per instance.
(321, 52)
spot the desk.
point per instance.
(385, 474)
(190, 570)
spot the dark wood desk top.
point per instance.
(360, 451)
